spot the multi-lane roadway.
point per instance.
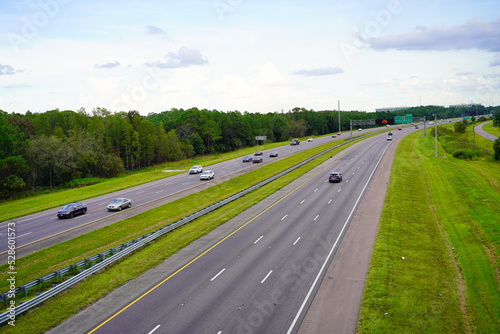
(43, 229)
(259, 278)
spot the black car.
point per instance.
(273, 154)
(335, 177)
(71, 210)
(258, 153)
(247, 158)
(257, 159)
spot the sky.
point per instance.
(254, 56)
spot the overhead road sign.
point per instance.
(384, 121)
(408, 118)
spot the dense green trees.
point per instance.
(49, 149)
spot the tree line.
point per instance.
(53, 148)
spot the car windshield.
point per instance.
(116, 201)
(68, 207)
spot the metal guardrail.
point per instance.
(101, 260)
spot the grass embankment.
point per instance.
(57, 198)
(435, 264)
(69, 303)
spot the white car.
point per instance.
(207, 175)
(360, 129)
(196, 169)
(119, 203)
(310, 139)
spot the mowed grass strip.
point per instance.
(57, 198)
(70, 302)
(434, 267)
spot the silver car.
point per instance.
(207, 175)
(119, 204)
(196, 169)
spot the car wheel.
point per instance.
(120, 208)
(84, 211)
(71, 215)
(129, 205)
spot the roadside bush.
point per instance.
(468, 154)
(77, 183)
(496, 148)
(460, 127)
(457, 145)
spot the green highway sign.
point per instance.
(408, 118)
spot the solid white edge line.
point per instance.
(154, 329)
(316, 280)
(269, 273)
(220, 272)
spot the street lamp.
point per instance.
(435, 135)
(339, 115)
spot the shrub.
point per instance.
(468, 154)
(77, 183)
(460, 127)
(496, 148)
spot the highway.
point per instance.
(44, 229)
(259, 278)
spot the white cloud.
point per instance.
(183, 58)
(108, 65)
(8, 70)
(320, 71)
(474, 34)
(153, 30)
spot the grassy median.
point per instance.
(70, 302)
(435, 264)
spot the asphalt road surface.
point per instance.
(257, 273)
(44, 229)
(479, 130)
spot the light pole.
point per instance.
(339, 116)
(436, 134)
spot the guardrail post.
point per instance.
(4, 298)
(24, 289)
(59, 274)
